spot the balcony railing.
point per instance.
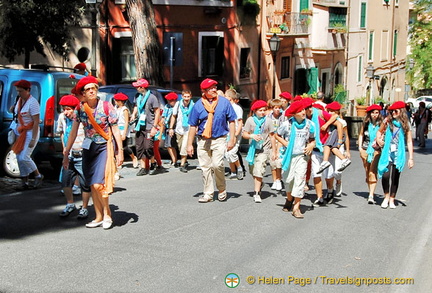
(288, 23)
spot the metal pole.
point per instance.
(274, 75)
(172, 60)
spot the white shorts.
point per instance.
(317, 158)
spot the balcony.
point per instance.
(288, 23)
(331, 3)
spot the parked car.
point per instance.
(47, 87)
(106, 92)
(416, 101)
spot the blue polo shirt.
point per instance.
(224, 113)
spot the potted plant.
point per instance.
(361, 106)
(306, 11)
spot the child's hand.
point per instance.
(256, 137)
(348, 155)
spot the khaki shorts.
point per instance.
(259, 167)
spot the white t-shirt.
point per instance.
(179, 128)
(29, 109)
(302, 135)
(121, 121)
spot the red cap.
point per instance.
(373, 107)
(120, 97)
(25, 84)
(307, 102)
(80, 66)
(397, 105)
(286, 95)
(141, 83)
(85, 81)
(294, 108)
(172, 96)
(69, 100)
(297, 98)
(258, 104)
(208, 83)
(334, 106)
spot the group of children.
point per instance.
(288, 137)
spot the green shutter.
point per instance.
(363, 15)
(371, 40)
(360, 67)
(395, 39)
(304, 4)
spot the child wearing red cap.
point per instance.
(124, 117)
(277, 118)
(368, 153)
(333, 143)
(393, 134)
(74, 171)
(169, 142)
(297, 135)
(343, 151)
(259, 129)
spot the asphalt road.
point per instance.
(163, 240)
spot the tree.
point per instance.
(145, 40)
(420, 75)
(29, 25)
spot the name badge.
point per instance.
(392, 147)
(86, 143)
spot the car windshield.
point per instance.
(64, 87)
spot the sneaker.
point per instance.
(38, 181)
(371, 200)
(385, 204)
(273, 187)
(152, 169)
(240, 174)
(183, 169)
(76, 190)
(345, 163)
(338, 189)
(70, 207)
(232, 176)
(83, 213)
(198, 167)
(392, 205)
(278, 185)
(330, 197)
(257, 198)
(222, 196)
(205, 198)
(319, 203)
(24, 186)
(324, 165)
(116, 176)
(142, 172)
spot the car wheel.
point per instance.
(10, 164)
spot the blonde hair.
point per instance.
(231, 93)
(275, 103)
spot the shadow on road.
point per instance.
(34, 212)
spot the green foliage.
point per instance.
(361, 101)
(339, 94)
(28, 25)
(420, 76)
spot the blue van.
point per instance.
(47, 88)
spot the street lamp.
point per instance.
(370, 70)
(274, 43)
(95, 24)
